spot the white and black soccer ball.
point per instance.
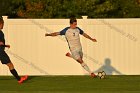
(102, 74)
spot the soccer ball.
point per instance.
(101, 75)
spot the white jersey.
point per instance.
(72, 37)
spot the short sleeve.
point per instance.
(81, 31)
(64, 31)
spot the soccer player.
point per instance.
(72, 36)
(4, 58)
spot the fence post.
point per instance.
(84, 17)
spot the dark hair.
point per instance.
(1, 20)
(72, 20)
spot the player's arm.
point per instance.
(2, 44)
(53, 34)
(87, 36)
(62, 32)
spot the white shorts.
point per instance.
(77, 53)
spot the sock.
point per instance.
(15, 74)
(86, 67)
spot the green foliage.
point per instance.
(4, 7)
(67, 8)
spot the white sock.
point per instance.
(86, 67)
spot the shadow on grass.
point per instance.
(31, 79)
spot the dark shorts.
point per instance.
(4, 58)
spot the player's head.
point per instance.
(73, 23)
(1, 23)
(107, 61)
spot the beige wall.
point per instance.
(34, 54)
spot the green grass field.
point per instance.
(71, 84)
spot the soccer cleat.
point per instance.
(93, 75)
(22, 79)
(68, 54)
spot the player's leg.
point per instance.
(73, 52)
(85, 66)
(78, 56)
(15, 74)
(79, 51)
(6, 60)
(81, 54)
(13, 71)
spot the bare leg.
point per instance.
(82, 64)
(85, 67)
(10, 65)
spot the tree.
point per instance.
(67, 8)
(5, 7)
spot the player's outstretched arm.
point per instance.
(53, 34)
(87, 36)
